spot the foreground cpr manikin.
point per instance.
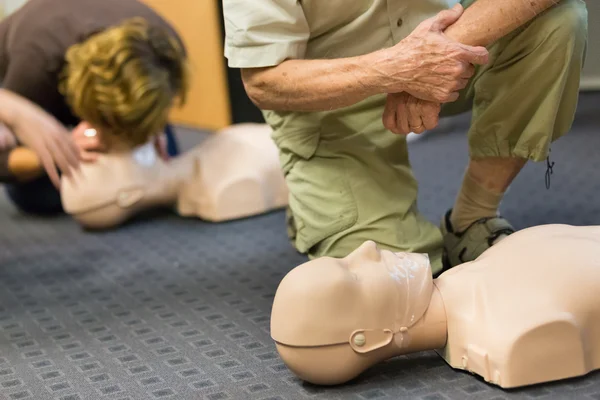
(232, 174)
(525, 312)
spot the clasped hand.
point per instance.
(405, 113)
(436, 70)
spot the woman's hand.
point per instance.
(89, 142)
(39, 131)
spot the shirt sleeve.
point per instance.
(27, 76)
(264, 33)
(4, 27)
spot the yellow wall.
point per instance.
(197, 21)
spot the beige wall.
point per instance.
(198, 23)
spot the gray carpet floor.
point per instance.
(167, 308)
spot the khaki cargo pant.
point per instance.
(350, 180)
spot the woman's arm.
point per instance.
(40, 132)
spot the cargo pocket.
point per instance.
(321, 200)
(321, 203)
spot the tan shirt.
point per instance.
(325, 201)
(261, 33)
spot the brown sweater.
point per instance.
(34, 40)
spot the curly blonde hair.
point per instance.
(125, 79)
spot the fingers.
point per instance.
(456, 78)
(389, 114)
(451, 98)
(87, 145)
(461, 84)
(88, 156)
(430, 94)
(402, 123)
(60, 159)
(404, 114)
(446, 18)
(477, 55)
(86, 152)
(468, 70)
(415, 122)
(69, 151)
(86, 142)
(49, 166)
(430, 115)
(86, 137)
(444, 95)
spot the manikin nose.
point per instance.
(369, 250)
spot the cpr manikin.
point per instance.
(232, 174)
(525, 312)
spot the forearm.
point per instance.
(486, 21)
(313, 85)
(8, 104)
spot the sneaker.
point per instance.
(460, 247)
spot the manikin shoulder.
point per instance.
(552, 347)
(526, 349)
(526, 311)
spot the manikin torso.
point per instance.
(234, 173)
(525, 312)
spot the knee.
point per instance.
(566, 23)
(338, 245)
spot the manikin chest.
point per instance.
(520, 316)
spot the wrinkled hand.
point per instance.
(434, 67)
(36, 129)
(405, 113)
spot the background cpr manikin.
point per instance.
(525, 312)
(234, 173)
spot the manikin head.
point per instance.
(334, 318)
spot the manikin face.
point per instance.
(323, 301)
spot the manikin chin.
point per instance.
(234, 173)
(525, 312)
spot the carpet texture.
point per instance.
(167, 308)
